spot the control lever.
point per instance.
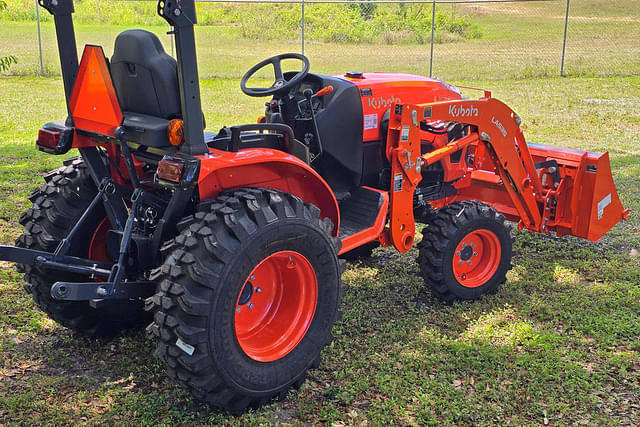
(325, 91)
(308, 94)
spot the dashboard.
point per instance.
(312, 82)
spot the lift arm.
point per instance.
(573, 204)
(498, 128)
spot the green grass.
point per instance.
(516, 41)
(559, 341)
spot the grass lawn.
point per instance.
(558, 343)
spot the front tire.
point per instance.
(465, 251)
(247, 297)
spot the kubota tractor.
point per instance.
(231, 241)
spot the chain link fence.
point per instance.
(452, 40)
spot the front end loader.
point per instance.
(230, 245)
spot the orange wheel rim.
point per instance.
(477, 258)
(98, 245)
(275, 306)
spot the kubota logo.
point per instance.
(382, 102)
(459, 111)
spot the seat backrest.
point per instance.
(145, 77)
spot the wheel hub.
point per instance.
(275, 306)
(466, 253)
(477, 258)
(246, 294)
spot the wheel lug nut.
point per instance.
(461, 262)
(250, 305)
(258, 290)
(253, 277)
(469, 262)
(473, 245)
(475, 254)
(238, 309)
(458, 253)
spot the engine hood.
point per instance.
(378, 91)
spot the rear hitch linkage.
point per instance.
(115, 287)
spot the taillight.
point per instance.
(178, 170)
(48, 138)
(170, 170)
(55, 138)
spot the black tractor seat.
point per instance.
(146, 82)
(144, 76)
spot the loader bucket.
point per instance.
(598, 207)
(588, 203)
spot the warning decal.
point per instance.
(397, 182)
(606, 201)
(370, 121)
(404, 134)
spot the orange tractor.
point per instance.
(232, 240)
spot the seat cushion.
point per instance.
(145, 77)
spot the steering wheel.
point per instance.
(281, 85)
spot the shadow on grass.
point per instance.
(546, 342)
(558, 341)
(559, 338)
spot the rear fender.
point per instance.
(266, 168)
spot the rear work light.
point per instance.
(178, 170)
(54, 138)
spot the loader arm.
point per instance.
(498, 128)
(504, 172)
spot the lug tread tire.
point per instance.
(439, 240)
(193, 276)
(57, 206)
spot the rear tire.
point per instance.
(57, 207)
(247, 297)
(465, 251)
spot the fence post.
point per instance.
(302, 27)
(433, 24)
(564, 40)
(39, 38)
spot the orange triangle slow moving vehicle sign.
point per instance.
(94, 105)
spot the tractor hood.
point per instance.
(378, 91)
